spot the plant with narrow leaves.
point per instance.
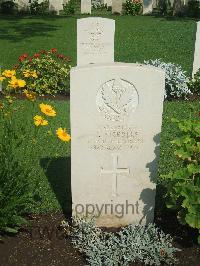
(176, 80)
(194, 83)
(183, 185)
(132, 244)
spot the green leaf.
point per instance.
(193, 220)
(11, 230)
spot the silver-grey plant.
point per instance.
(134, 243)
(176, 80)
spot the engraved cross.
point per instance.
(115, 172)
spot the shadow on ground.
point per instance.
(19, 29)
(58, 172)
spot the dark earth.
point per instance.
(44, 243)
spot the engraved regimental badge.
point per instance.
(117, 99)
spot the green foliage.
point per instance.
(183, 185)
(193, 9)
(7, 7)
(52, 70)
(133, 243)
(39, 8)
(133, 7)
(69, 8)
(194, 84)
(15, 192)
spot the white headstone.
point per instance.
(116, 116)
(117, 6)
(86, 6)
(196, 63)
(147, 6)
(22, 4)
(95, 40)
(108, 2)
(56, 5)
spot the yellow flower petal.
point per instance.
(63, 135)
(40, 121)
(47, 109)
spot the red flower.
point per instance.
(54, 50)
(43, 52)
(60, 56)
(30, 59)
(37, 55)
(23, 57)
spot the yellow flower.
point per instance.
(62, 134)
(26, 73)
(30, 95)
(40, 121)
(21, 83)
(29, 73)
(13, 82)
(16, 83)
(2, 78)
(47, 109)
(9, 73)
(34, 74)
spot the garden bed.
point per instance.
(45, 244)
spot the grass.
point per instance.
(50, 158)
(137, 38)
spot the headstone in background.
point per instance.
(56, 5)
(22, 4)
(196, 62)
(116, 117)
(95, 40)
(147, 6)
(117, 6)
(86, 6)
(107, 2)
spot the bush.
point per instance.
(7, 7)
(194, 84)
(133, 243)
(39, 8)
(193, 9)
(96, 4)
(164, 6)
(69, 8)
(47, 72)
(15, 196)
(176, 81)
(183, 185)
(133, 7)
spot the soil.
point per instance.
(44, 243)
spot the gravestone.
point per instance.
(116, 115)
(117, 6)
(196, 62)
(56, 5)
(86, 6)
(147, 6)
(95, 40)
(107, 2)
(22, 4)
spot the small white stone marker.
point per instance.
(95, 40)
(116, 116)
(86, 6)
(117, 6)
(147, 6)
(196, 63)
